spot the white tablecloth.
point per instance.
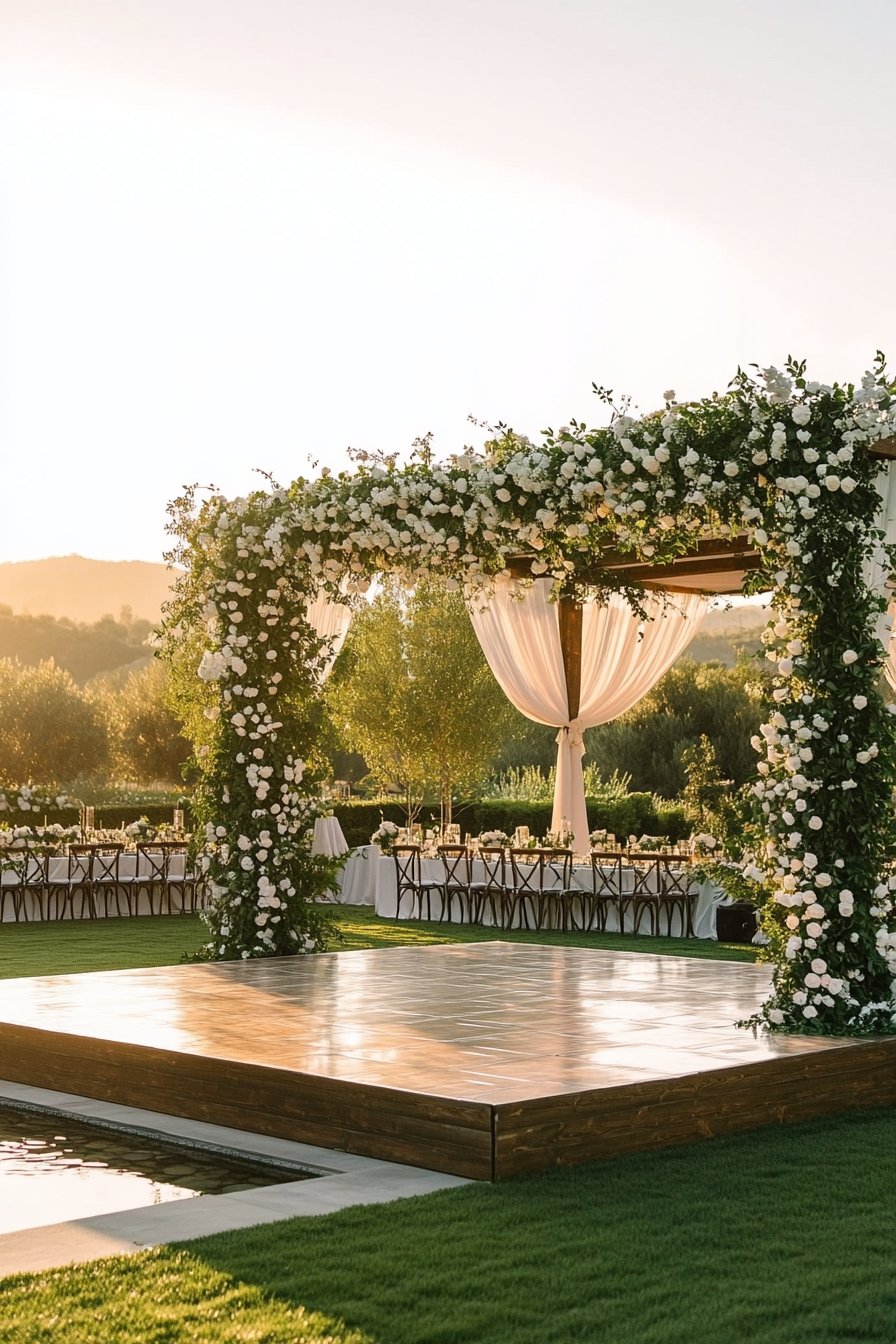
(58, 868)
(328, 838)
(357, 881)
(709, 896)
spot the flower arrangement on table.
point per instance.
(651, 843)
(703, 843)
(598, 839)
(38, 837)
(561, 839)
(385, 836)
(494, 839)
(140, 830)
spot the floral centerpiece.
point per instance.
(385, 836)
(703, 843)
(140, 830)
(38, 837)
(652, 842)
(561, 839)
(598, 839)
(494, 839)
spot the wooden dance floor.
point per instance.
(483, 1060)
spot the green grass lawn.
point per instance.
(783, 1236)
(112, 944)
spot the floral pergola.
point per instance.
(774, 484)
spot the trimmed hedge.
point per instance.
(635, 814)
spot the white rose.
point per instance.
(850, 656)
(801, 415)
(860, 701)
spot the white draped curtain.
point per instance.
(877, 569)
(622, 658)
(329, 620)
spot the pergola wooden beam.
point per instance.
(722, 562)
(569, 614)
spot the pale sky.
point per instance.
(240, 234)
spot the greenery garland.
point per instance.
(241, 605)
(778, 457)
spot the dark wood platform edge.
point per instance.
(397, 1126)
(586, 1126)
(466, 1138)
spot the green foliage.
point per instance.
(146, 740)
(530, 784)
(49, 731)
(704, 790)
(414, 695)
(692, 700)
(371, 701)
(526, 744)
(83, 650)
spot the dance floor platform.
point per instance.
(483, 1060)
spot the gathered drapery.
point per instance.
(622, 657)
(877, 568)
(329, 620)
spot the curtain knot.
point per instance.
(574, 739)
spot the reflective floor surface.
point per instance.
(492, 1022)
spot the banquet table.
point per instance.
(128, 873)
(371, 880)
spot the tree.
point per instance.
(146, 739)
(84, 650)
(414, 695)
(691, 701)
(50, 733)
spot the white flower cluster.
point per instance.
(29, 799)
(385, 835)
